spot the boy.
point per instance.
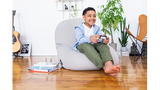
(88, 42)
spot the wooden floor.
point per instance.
(132, 77)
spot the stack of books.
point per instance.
(44, 67)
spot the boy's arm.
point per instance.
(81, 38)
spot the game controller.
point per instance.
(102, 37)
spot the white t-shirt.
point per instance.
(87, 30)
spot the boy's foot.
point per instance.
(111, 69)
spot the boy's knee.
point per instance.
(106, 46)
(84, 46)
(102, 45)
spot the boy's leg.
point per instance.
(109, 66)
(104, 51)
(91, 54)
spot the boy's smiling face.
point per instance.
(89, 18)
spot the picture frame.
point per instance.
(26, 49)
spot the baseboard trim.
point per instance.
(44, 55)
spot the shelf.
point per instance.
(67, 0)
(70, 10)
(60, 5)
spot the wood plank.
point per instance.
(132, 77)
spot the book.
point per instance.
(44, 67)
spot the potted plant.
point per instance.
(110, 16)
(124, 36)
(75, 9)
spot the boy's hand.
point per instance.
(94, 38)
(106, 41)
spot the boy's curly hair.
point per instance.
(87, 9)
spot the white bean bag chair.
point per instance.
(65, 39)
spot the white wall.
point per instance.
(36, 21)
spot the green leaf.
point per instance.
(108, 32)
(102, 6)
(124, 23)
(121, 26)
(128, 26)
(120, 41)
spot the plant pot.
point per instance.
(123, 49)
(113, 45)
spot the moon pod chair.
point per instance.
(65, 38)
